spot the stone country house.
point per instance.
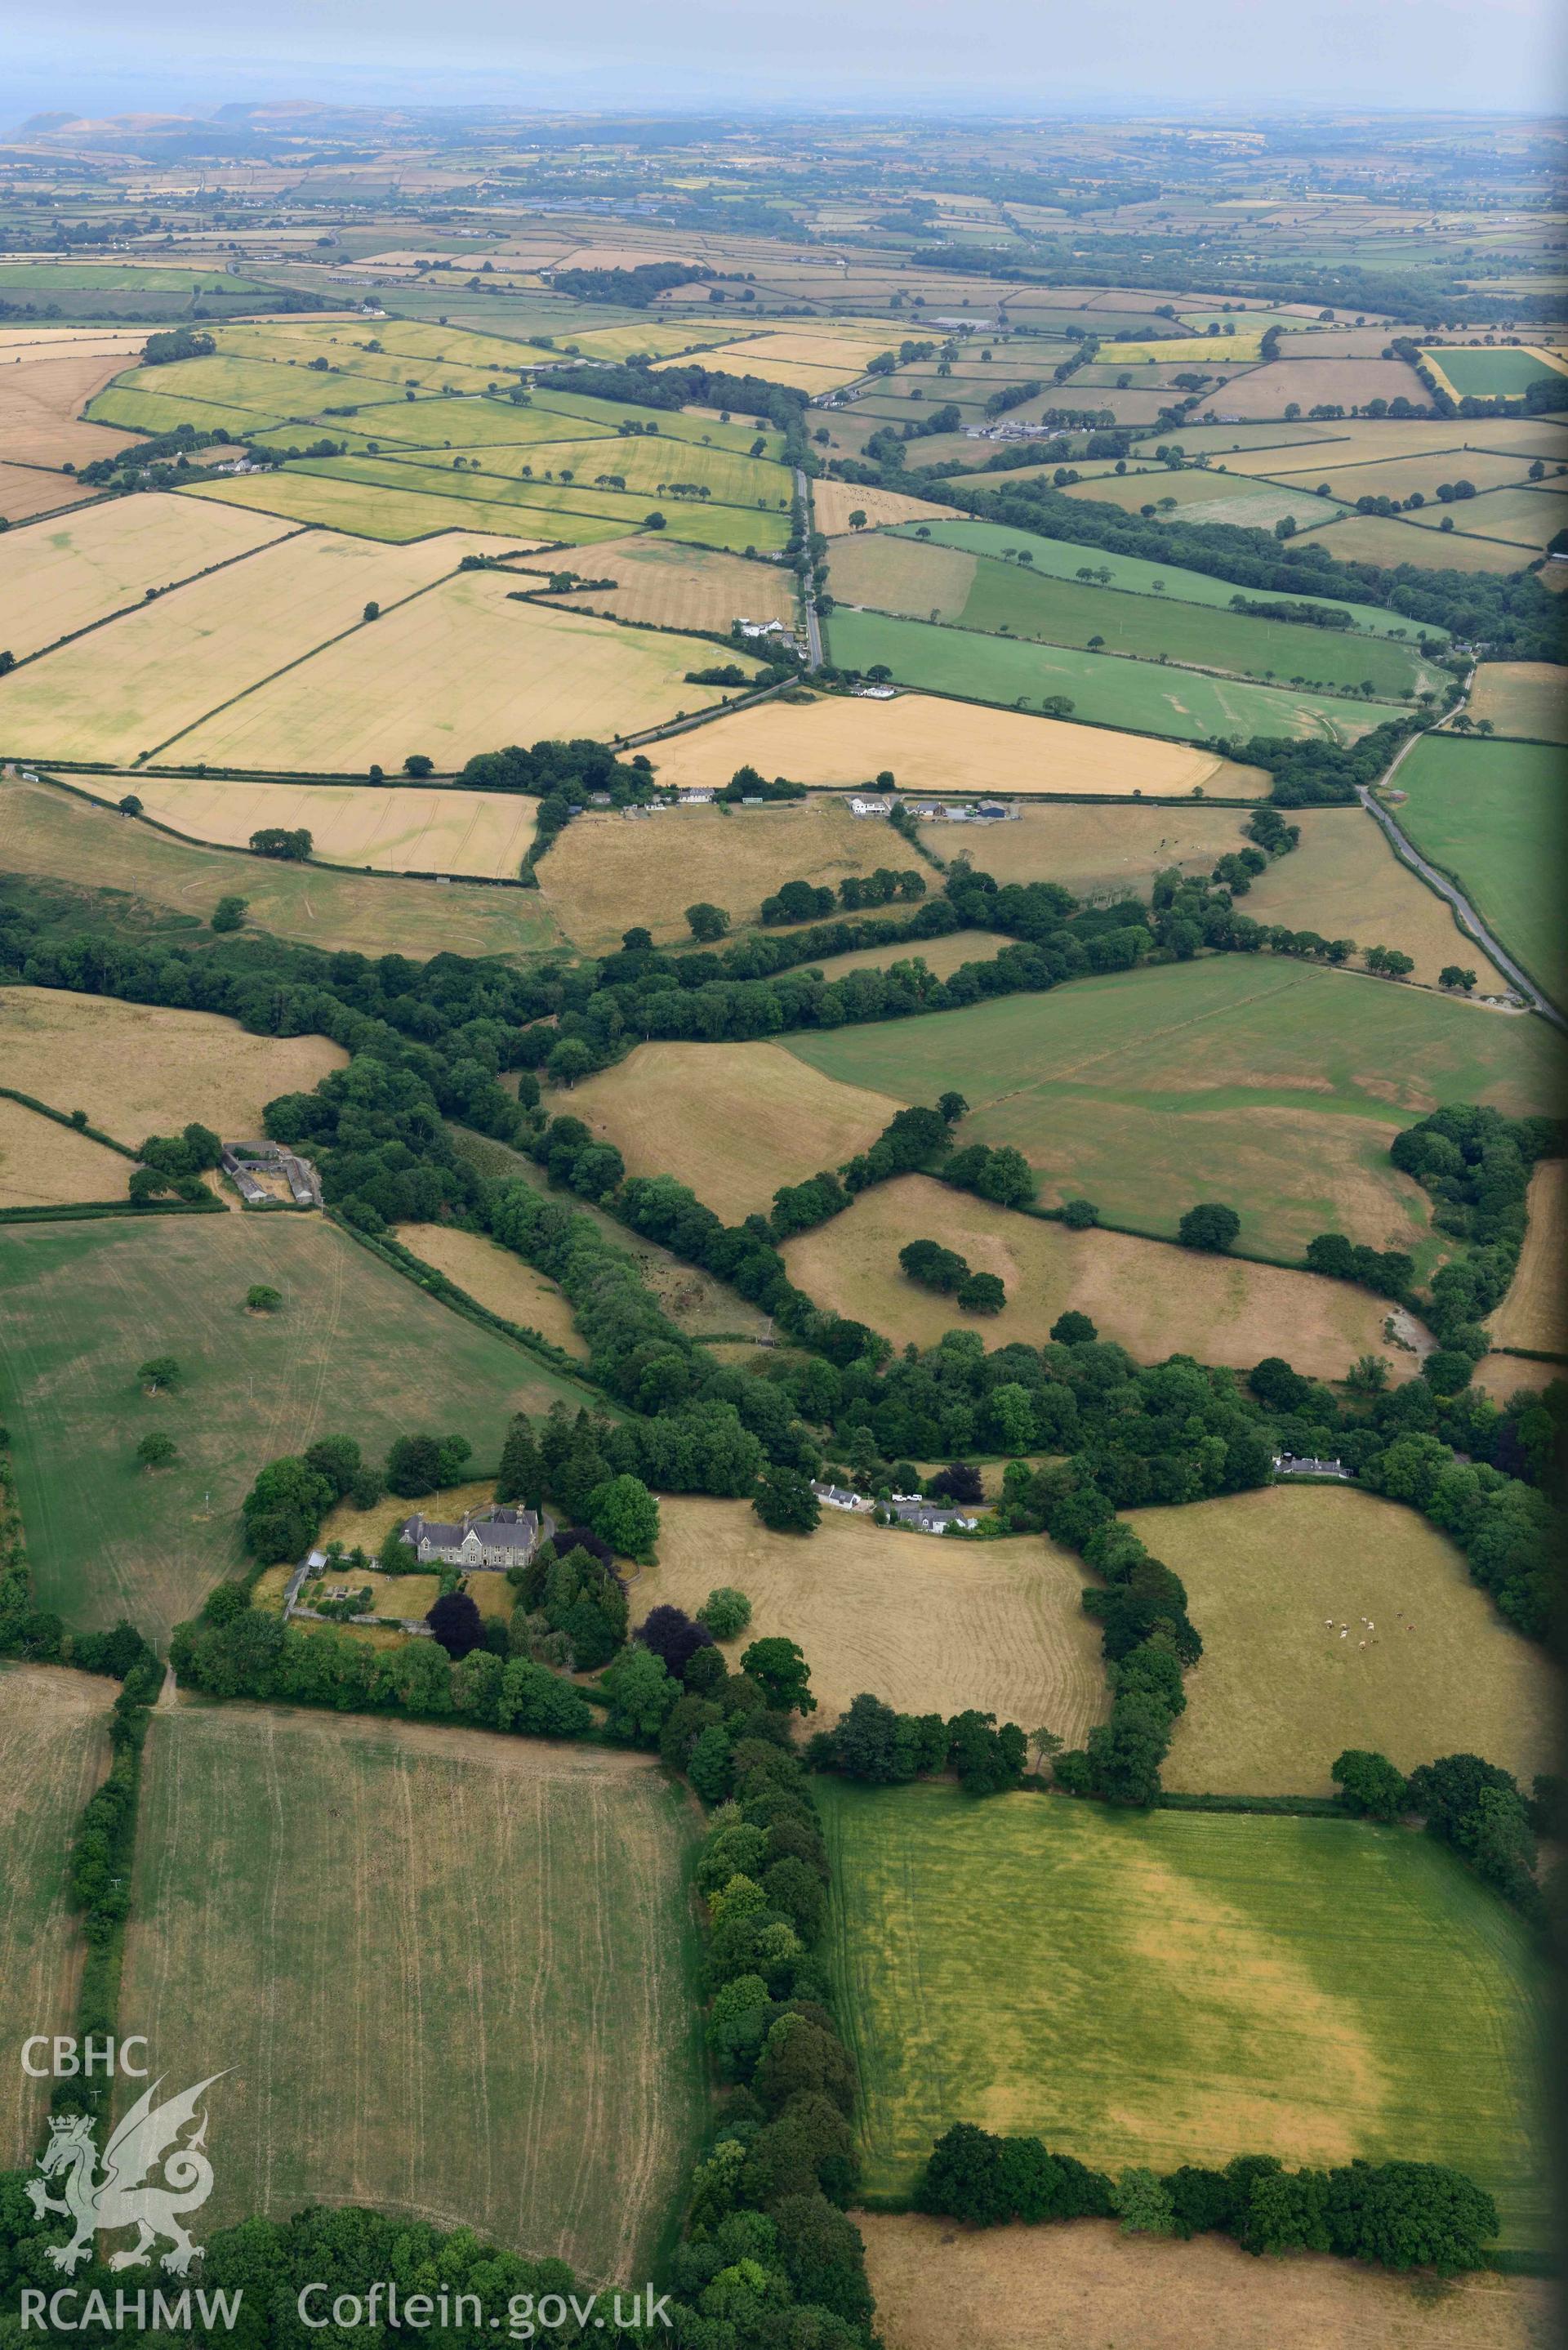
(495, 1537)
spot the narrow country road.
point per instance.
(808, 585)
(1469, 920)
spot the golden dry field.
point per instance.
(927, 1624)
(147, 680)
(1523, 698)
(1343, 880)
(946, 748)
(1426, 1665)
(498, 1279)
(367, 511)
(124, 865)
(54, 1749)
(42, 393)
(1093, 849)
(29, 490)
(1390, 540)
(606, 871)
(1356, 442)
(386, 828)
(61, 575)
(397, 1935)
(1528, 518)
(138, 1069)
(1399, 478)
(1222, 1310)
(1501, 1376)
(833, 503)
(43, 1165)
(1534, 1313)
(677, 586)
(1268, 390)
(457, 671)
(1087, 2286)
(677, 1109)
(941, 956)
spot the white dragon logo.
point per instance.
(146, 2138)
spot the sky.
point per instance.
(1050, 57)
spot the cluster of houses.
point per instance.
(911, 1509)
(936, 811)
(245, 1163)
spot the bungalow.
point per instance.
(860, 805)
(496, 1537)
(923, 1517)
(841, 1497)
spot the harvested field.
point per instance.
(1426, 1667)
(1493, 815)
(1133, 1291)
(29, 490)
(1528, 518)
(412, 1982)
(668, 1109)
(833, 503)
(1373, 440)
(138, 1069)
(1501, 1376)
(353, 1347)
(364, 510)
(1527, 698)
(946, 748)
(1344, 881)
(1535, 1313)
(605, 872)
(1133, 492)
(452, 673)
(1147, 696)
(43, 1165)
(1276, 1086)
(149, 677)
(498, 1279)
(120, 867)
(1346, 383)
(1390, 540)
(1082, 2286)
(1399, 477)
(1168, 1987)
(54, 1749)
(677, 586)
(942, 956)
(1098, 851)
(65, 575)
(928, 1626)
(42, 393)
(384, 827)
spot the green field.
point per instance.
(54, 1749)
(888, 574)
(356, 1349)
(1497, 374)
(1493, 815)
(1168, 1987)
(1109, 691)
(1064, 558)
(451, 1973)
(553, 510)
(1269, 1084)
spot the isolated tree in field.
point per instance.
(726, 1612)
(262, 1298)
(1209, 1226)
(624, 1513)
(707, 922)
(1071, 1329)
(1369, 1786)
(934, 1267)
(372, 612)
(290, 846)
(981, 1292)
(857, 518)
(159, 1372)
(156, 1451)
(418, 765)
(130, 805)
(779, 1668)
(229, 913)
(1452, 975)
(785, 1501)
(636, 941)
(457, 1624)
(1079, 1215)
